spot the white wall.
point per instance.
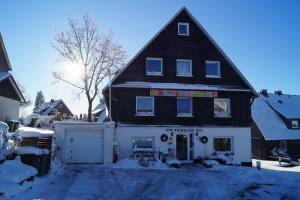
(9, 109)
(241, 139)
(60, 129)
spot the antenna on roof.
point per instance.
(264, 92)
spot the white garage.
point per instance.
(82, 142)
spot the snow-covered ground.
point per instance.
(189, 182)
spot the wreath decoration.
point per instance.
(164, 137)
(204, 139)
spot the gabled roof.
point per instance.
(206, 34)
(269, 122)
(7, 75)
(2, 46)
(47, 107)
(286, 105)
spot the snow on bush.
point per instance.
(133, 164)
(36, 120)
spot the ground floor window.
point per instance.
(223, 144)
(143, 143)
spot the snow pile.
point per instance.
(133, 164)
(15, 171)
(34, 132)
(210, 163)
(30, 150)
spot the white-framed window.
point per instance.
(295, 124)
(144, 106)
(184, 67)
(223, 144)
(183, 29)
(143, 143)
(212, 69)
(154, 66)
(184, 107)
(222, 107)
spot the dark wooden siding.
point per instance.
(124, 109)
(169, 46)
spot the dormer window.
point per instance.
(183, 29)
(212, 69)
(295, 124)
(154, 66)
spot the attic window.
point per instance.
(212, 69)
(154, 66)
(183, 29)
(295, 124)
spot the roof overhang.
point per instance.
(7, 75)
(5, 52)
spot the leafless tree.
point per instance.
(96, 52)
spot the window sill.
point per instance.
(212, 76)
(150, 74)
(181, 34)
(184, 115)
(144, 115)
(181, 75)
(222, 116)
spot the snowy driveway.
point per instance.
(193, 182)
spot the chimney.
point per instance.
(264, 92)
(278, 92)
(51, 101)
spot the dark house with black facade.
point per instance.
(182, 85)
(276, 124)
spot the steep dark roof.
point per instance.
(48, 107)
(4, 61)
(205, 33)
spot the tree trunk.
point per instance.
(90, 111)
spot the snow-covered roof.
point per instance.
(287, 105)
(4, 75)
(269, 122)
(47, 107)
(180, 86)
(25, 132)
(98, 108)
(100, 112)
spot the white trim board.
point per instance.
(205, 33)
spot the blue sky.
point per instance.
(261, 37)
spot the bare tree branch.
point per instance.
(94, 51)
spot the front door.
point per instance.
(181, 147)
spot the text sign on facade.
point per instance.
(183, 93)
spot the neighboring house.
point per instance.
(10, 95)
(99, 113)
(276, 123)
(180, 90)
(49, 108)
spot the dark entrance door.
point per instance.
(181, 147)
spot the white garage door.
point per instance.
(84, 146)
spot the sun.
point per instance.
(73, 70)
